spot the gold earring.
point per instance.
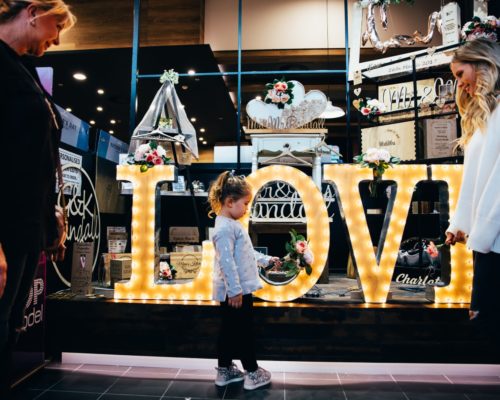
(32, 22)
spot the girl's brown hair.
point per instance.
(9, 9)
(484, 56)
(227, 185)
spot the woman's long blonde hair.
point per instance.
(227, 185)
(9, 9)
(484, 56)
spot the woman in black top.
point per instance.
(29, 140)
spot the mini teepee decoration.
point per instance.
(166, 120)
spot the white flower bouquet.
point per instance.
(379, 160)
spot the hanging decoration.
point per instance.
(166, 120)
(371, 33)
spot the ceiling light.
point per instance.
(69, 109)
(205, 142)
(100, 91)
(193, 119)
(185, 87)
(201, 139)
(332, 111)
(111, 132)
(202, 129)
(79, 76)
(258, 98)
(177, 144)
(112, 122)
(191, 72)
(99, 108)
(92, 122)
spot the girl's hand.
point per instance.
(236, 301)
(452, 239)
(276, 262)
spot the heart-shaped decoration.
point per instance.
(356, 103)
(431, 50)
(304, 109)
(357, 91)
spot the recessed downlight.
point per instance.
(79, 76)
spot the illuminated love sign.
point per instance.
(375, 277)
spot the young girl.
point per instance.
(235, 278)
(476, 67)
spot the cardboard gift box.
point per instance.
(104, 273)
(120, 269)
(187, 265)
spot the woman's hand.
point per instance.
(58, 250)
(452, 238)
(3, 271)
(236, 301)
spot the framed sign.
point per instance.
(398, 139)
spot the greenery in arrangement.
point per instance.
(379, 160)
(299, 255)
(148, 155)
(279, 92)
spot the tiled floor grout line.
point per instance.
(114, 383)
(171, 383)
(46, 390)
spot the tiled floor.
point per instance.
(111, 382)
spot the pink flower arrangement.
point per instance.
(432, 250)
(299, 255)
(148, 155)
(478, 28)
(279, 92)
(369, 108)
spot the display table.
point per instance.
(297, 142)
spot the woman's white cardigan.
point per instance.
(478, 209)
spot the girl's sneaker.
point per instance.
(256, 379)
(225, 376)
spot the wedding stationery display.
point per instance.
(81, 270)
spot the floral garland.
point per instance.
(478, 28)
(379, 160)
(299, 255)
(279, 92)
(148, 155)
(369, 108)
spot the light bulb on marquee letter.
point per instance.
(318, 228)
(459, 289)
(375, 278)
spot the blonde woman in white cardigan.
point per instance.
(476, 67)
